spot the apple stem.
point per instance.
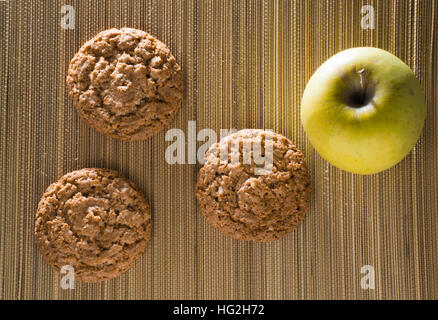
(362, 84)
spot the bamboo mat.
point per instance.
(246, 64)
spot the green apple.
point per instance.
(363, 110)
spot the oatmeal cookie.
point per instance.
(246, 201)
(125, 83)
(93, 220)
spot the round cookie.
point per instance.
(248, 200)
(93, 220)
(125, 83)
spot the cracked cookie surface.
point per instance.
(93, 220)
(245, 204)
(125, 83)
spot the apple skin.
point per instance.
(378, 134)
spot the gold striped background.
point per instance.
(246, 64)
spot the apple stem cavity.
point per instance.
(360, 90)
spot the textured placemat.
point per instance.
(245, 64)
